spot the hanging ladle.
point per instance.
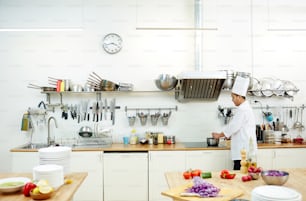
(297, 124)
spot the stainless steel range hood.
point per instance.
(199, 85)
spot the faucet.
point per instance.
(50, 142)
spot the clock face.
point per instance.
(112, 43)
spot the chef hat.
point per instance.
(241, 86)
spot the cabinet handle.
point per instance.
(206, 152)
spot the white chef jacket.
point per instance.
(241, 129)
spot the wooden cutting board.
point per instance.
(225, 194)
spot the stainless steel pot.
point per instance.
(228, 83)
(212, 141)
(85, 131)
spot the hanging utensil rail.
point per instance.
(149, 109)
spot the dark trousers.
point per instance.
(237, 164)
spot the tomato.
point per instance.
(230, 176)
(187, 175)
(253, 169)
(224, 173)
(246, 178)
(196, 173)
(27, 188)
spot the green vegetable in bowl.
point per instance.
(11, 184)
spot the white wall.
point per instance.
(241, 43)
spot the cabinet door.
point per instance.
(92, 187)
(289, 158)
(24, 161)
(125, 176)
(159, 163)
(265, 158)
(210, 160)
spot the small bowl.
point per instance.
(166, 82)
(40, 196)
(275, 177)
(254, 175)
(298, 140)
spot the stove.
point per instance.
(196, 145)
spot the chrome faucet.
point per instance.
(50, 142)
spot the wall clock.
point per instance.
(112, 43)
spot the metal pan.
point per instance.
(33, 86)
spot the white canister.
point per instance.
(53, 174)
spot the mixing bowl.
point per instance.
(166, 82)
(275, 177)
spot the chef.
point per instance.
(241, 129)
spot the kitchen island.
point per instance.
(161, 158)
(64, 193)
(297, 181)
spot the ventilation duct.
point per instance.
(199, 85)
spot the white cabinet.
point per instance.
(208, 160)
(265, 158)
(159, 163)
(125, 176)
(281, 158)
(289, 158)
(92, 163)
(24, 161)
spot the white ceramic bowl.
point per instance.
(13, 184)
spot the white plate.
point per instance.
(271, 192)
(15, 188)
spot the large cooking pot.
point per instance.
(228, 83)
(212, 142)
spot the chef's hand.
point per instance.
(215, 135)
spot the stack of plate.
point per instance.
(57, 156)
(271, 193)
(53, 174)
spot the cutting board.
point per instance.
(225, 194)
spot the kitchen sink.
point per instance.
(33, 146)
(78, 145)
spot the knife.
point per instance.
(93, 111)
(97, 111)
(105, 107)
(113, 110)
(190, 195)
(101, 110)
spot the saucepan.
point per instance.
(212, 141)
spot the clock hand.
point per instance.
(112, 44)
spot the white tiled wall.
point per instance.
(241, 43)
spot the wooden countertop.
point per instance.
(297, 181)
(64, 193)
(165, 147)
